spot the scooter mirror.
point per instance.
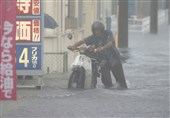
(70, 36)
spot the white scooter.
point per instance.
(82, 76)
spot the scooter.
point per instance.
(82, 76)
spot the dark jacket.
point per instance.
(111, 54)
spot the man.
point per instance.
(108, 55)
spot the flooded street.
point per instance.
(146, 69)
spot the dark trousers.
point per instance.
(118, 73)
(94, 74)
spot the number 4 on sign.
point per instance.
(24, 57)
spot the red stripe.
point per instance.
(8, 14)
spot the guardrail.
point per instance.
(140, 25)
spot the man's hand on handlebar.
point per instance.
(91, 48)
(98, 49)
(72, 47)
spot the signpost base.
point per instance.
(39, 85)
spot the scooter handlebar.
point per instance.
(88, 51)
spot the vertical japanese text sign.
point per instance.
(29, 37)
(7, 50)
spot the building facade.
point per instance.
(74, 17)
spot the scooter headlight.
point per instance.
(82, 50)
(81, 58)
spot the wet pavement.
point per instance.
(146, 69)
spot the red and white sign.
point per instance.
(28, 31)
(28, 7)
(7, 50)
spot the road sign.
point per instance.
(29, 38)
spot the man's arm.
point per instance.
(107, 45)
(87, 41)
(77, 44)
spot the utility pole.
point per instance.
(154, 17)
(123, 23)
(168, 7)
(169, 12)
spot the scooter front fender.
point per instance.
(76, 68)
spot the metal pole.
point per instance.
(65, 62)
(98, 9)
(1, 109)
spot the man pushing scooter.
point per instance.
(108, 55)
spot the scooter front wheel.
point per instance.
(81, 78)
(72, 80)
